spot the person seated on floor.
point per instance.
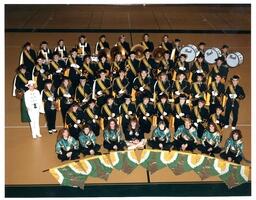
(66, 146)
(185, 138)
(234, 147)
(113, 138)
(210, 141)
(161, 137)
(87, 140)
(134, 137)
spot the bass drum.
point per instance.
(190, 51)
(235, 59)
(211, 55)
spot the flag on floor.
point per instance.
(97, 166)
(125, 161)
(151, 159)
(69, 175)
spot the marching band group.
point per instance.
(124, 92)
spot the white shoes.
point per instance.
(226, 126)
(233, 128)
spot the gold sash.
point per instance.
(107, 110)
(173, 54)
(165, 62)
(116, 65)
(164, 46)
(197, 65)
(102, 86)
(146, 63)
(119, 44)
(48, 94)
(214, 87)
(214, 119)
(178, 108)
(63, 90)
(144, 44)
(100, 65)
(72, 116)
(23, 79)
(161, 86)
(132, 67)
(143, 109)
(74, 62)
(125, 107)
(197, 113)
(231, 88)
(177, 84)
(90, 113)
(54, 64)
(88, 68)
(196, 88)
(42, 74)
(28, 56)
(119, 83)
(160, 107)
(215, 68)
(81, 90)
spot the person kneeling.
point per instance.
(113, 137)
(66, 146)
(210, 141)
(185, 138)
(134, 136)
(161, 137)
(87, 141)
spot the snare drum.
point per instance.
(235, 59)
(211, 55)
(190, 51)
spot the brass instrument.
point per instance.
(158, 54)
(139, 49)
(114, 50)
(19, 93)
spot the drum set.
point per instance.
(233, 59)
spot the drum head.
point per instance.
(190, 52)
(210, 56)
(232, 60)
(241, 57)
(217, 50)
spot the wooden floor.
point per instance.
(26, 158)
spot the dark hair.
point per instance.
(134, 119)
(116, 125)
(238, 132)
(60, 133)
(214, 125)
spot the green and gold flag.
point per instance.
(97, 166)
(125, 161)
(69, 175)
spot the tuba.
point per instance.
(158, 54)
(139, 49)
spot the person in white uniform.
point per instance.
(32, 101)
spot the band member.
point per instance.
(224, 51)
(117, 65)
(235, 93)
(218, 119)
(127, 110)
(200, 116)
(210, 141)
(57, 67)
(149, 63)
(201, 47)
(83, 92)
(45, 52)
(181, 111)
(87, 140)
(83, 46)
(145, 112)
(180, 66)
(234, 147)
(163, 109)
(49, 99)
(219, 68)
(166, 44)
(61, 50)
(65, 93)
(147, 43)
(180, 86)
(199, 67)
(113, 138)
(103, 64)
(19, 88)
(67, 148)
(216, 91)
(109, 110)
(101, 44)
(143, 85)
(132, 66)
(89, 70)
(162, 85)
(74, 65)
(176, 50)
(161, 137)
(124, 45)
(134, 136)
(101, 88)
(166, 64)
(121, 86)
(40, 73)
(198, 89)
(92, 113)
(185, 138)
(33, 101)
(75, 120)
(28, 57)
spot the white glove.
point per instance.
(197, 96)
(214, 93)
(151, 99)
(171, 100)
(99, 93)
(59, 70)
(50, 98)
(96, 116)
(67, 95)
(196, 124)
(161, 117)
(177, 93)
(75, 125)
(181, 114)
(78, 121)
(141, 89)
(187, 101)
(130, 112)
(144, 117)
(113, 115)
(121, 92)
(75, 65)
(199, 71)
(84, 100)
(217, 121)
(177, 116)
(137, 134)
(164, 113)
(126, 116)
(198, 120)
(42, 71)
(182, 68)
(109, 118)
(161, 93)
(147, 114)
(93, 120)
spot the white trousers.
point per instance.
(34, 124)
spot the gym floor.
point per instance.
(216, 25)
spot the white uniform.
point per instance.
(32, 101)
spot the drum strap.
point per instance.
(197, 113)
(107, 110)
(28, 56)
(88, 68)
(132, 67)
(164, 46)
(22, 77)
(55, 65)
(161, 86)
